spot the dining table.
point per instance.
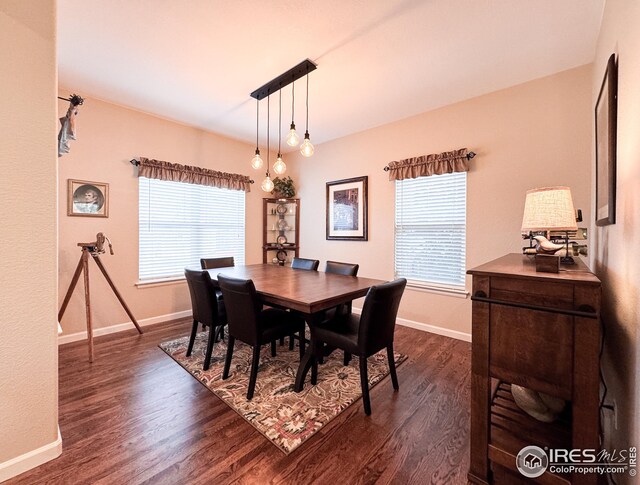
(309, 293)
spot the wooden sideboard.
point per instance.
(540, 331)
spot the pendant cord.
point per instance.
(257, 119)
(268, 117)
(279, 120)
(307, 127)
(293, 100)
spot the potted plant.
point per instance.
(283, 188)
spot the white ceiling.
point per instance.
(196, 61)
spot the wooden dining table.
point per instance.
(306, 292)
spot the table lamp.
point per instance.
(550, 208)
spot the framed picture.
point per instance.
(347, 209)
(89, 199)
(606, 114)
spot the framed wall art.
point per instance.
(89, 199)
(606, 130)
(347, 209)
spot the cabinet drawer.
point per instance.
(531, 348)
(540, 293)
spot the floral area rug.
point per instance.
(285, 417)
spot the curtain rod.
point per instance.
(469, 156)
(135, 162)
(74, 99)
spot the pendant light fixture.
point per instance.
(267, 183)
(279, 167)
(307, 148)
(292, 137)
(256, 161)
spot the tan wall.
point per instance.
(532, 135)
(617, 256)
(28, 198)
(108, 137)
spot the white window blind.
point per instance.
(180, 223)
(430, 229)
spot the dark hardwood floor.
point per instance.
(135, 416)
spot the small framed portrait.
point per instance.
(347, 209)
(88, 199)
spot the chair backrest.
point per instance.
(243, 308)
(378, 319)
(303, 263)
(346, 269)
(203, 300)
(211, 263)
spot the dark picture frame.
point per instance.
(87, 199)
(347, 209)
(605, 135)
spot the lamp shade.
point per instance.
(549, 208)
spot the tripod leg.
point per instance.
(72, 286)
(115, 290)
(87, 301)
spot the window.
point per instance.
(430, 230)
(180, 223)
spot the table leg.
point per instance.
(303, 368)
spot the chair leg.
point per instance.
(301, 345)
(192, 338)
(291, 342)
(281, 341)
(314, 364)
(347, 358)
(273, 348)
(392, 367)
(213, 331)
(364, 383)
(227, 360)
(254, 371)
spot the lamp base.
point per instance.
(568, 260)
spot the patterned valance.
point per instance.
(425, 165)
(157, 169)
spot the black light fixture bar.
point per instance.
(284, 79)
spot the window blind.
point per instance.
(430, 229)
(179, 223)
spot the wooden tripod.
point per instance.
(89, 250)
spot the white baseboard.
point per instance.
(74, 337)
(31, 459)
(425, 327)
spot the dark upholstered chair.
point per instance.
(207, 310)
(252, 325)
(212, 263)
(365, 335)
(303, 263)
(346, 269)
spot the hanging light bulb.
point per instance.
(279, 167)
(292, 137)
(256, 161)
(306, 149)
(267, 183)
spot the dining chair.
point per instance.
(207, 310)
(344, 309)
(365, 335)
(249, 323)
(212, 263)
(303, 263)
